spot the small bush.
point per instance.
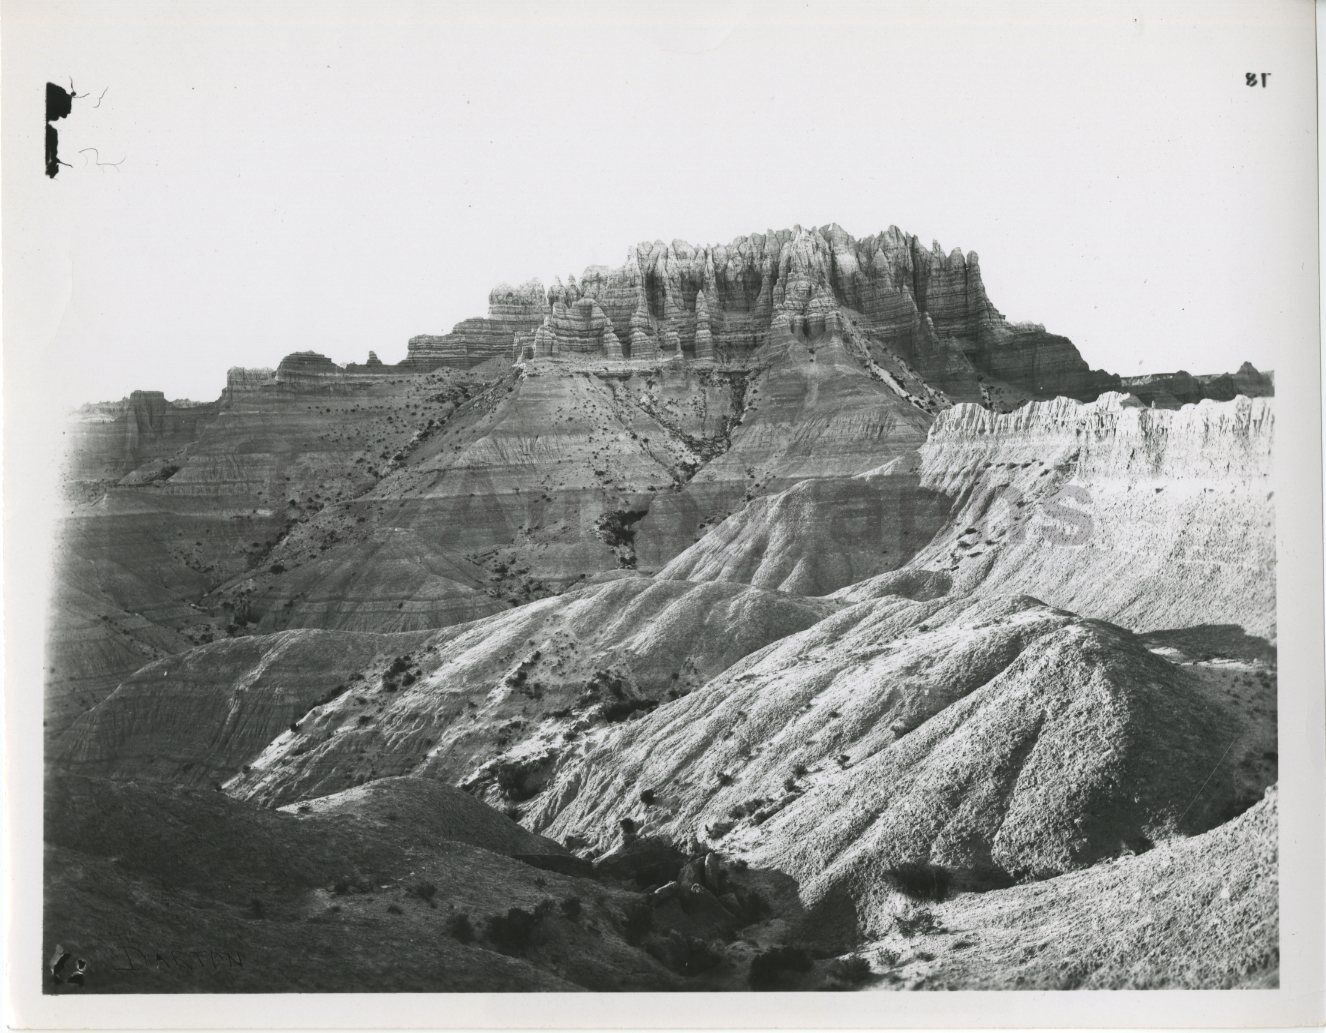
(513, 932)
(461, 928)
(637, 922)
(424, 890)
(921, 881)
(914, 922)
(648, 797)
(850, 971)
(572, 908)
(392, 909)
(887, 956)
(256, 908)
(775, 968)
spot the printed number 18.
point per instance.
(1251, 78)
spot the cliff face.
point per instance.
(1148, 517)
(513, 313)
(912, 305)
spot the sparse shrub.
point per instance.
(424, 890)
(521, 778)
(725, 779)
(886, 956)
(620, 709)
(461, 928)
(277, 568)
(392, 909)
(746, 807)
(851, 971)
(544, 908)
(754, 906)
(775, 968)
(790, 785)
(572, 908)
(915, 921)
(256, 909)
(921, 881)
(351, 884)
(629, 828)
(648, 797)
(304, 808)
(800, 771)
(513, 932)
(637, 922)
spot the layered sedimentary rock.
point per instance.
(496, 703)
(819, 535)
(914, 306)
(997, 737)
(534, 483)
(197, 717)
(1172, 390)
(512, 312)
(110, 440)
(1150, 518)
(814, 411)
(169, 502)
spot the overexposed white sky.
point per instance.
(342, 176)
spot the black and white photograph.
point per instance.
(722, 499)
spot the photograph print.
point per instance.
(537, 508)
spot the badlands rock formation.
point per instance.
(1171, 390)
(1150, 518)
(925, 309)
(999, 738)
(1211, 921)
(693, 624)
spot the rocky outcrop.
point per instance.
(1150, 518)
(109, 440)
(1196, 914)
(512, 312)
(813, 412)
(912, 306)
(1171, 390)
(170, 502)
(494, 703)
(820, 534)
(997, 737)
(196, 718)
